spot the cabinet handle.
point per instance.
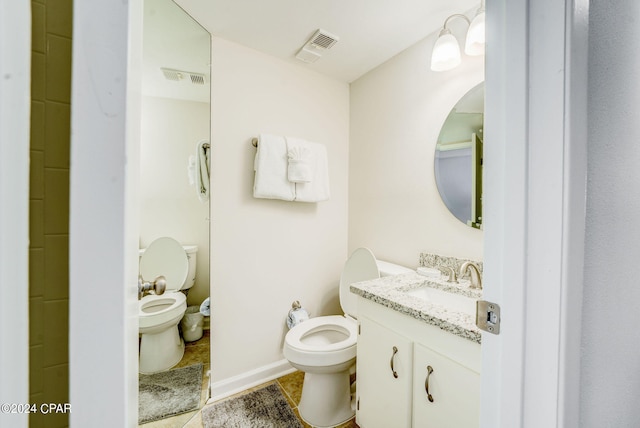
(426, 383)
(395, 351)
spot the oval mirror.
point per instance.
(458, 158)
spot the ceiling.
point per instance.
(370, 31)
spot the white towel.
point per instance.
(317, 189)
(202, 171)
(298, 154)
(271, 169)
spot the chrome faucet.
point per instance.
(158, 285)
(476, 278)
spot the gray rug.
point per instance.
(264, 408)
(169, 393)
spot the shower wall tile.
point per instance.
(58, 130)
(38, 36)
(56, 267)
(36, 180)
(60, 17)
(36, 223)
(56, 336)
(56, 390)
(36, 272)
(36, 364)
(38, 76)
(37, 125)
(56, 202)
(49, 208)
(58, 81)
(36, 321)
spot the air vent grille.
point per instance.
(179, 75)
(323, 40)
(316, 46)
(197, 79)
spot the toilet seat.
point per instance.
(155, 310)
(305, 336)
(322, 341)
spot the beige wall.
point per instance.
(169, 206)
(397, 111)
(267, 253)
(49, 208)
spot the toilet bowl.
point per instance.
(161, 346)
(325, 347)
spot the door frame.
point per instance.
(536, 85)
(529, 203)
(15, 107)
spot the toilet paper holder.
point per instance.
(297, 314)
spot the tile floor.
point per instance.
(291, 386)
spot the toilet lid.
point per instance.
(361, 266)
(166, 257)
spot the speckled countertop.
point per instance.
(390, 291)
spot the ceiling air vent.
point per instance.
(323, 39)
(316, 45)
(179, 75)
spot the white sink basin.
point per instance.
(452, 301)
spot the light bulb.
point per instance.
(474, 45)
(446, 52)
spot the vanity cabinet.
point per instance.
(388, 338)
(454, 389)
(384, 388)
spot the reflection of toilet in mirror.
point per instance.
(161, 346)
(325, 347)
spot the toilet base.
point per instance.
(160, 351)
(326, 399)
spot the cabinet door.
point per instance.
(454, 388)
(383, 399)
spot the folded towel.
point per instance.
(299, 154)
(317, 189)
(202, 170)
(271, 169)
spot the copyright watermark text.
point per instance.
(44, 408)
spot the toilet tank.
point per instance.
(389, 269)
(192, 251)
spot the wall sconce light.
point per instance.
(446, 51)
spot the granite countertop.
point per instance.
(390, 291)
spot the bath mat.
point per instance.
(169, 393)
(264, 408)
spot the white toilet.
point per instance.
(161, 346)
(325, 347)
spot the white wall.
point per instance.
(169, 204)
(397, 111)
(267, 253)
(611, 340)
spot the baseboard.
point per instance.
(243, 381)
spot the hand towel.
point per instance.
(317, 189)
(270, 165)
(298, 154)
